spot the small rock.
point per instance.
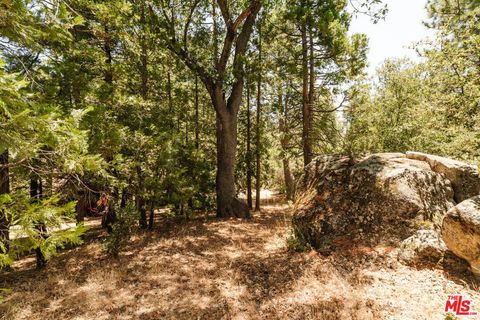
(425, 247)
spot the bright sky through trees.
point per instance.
(393, 36)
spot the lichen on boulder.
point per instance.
(377, 198)
(463, 176)
(425, 247)
(461, 231)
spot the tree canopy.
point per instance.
(184, 105)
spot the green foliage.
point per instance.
(296, 242)
(430, 106)
(24, 218)
(450, 316)
(190, 179)
(122, 229)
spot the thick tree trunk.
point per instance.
(225, 181)
(227, 203)
(4, 189)
(249, 154)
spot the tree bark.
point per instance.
(152, 215)
(124, 198)
(169, 92)
(197, 128)
(143, 212)
(107, 47)
(4, 189)
(36, 193)
(139, 200)
(259, 113)
(284, 141)
(143, 54)
(81, 206)
(249, 153)
(226, 149)
(225, 183)
(306, 114)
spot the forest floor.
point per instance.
(228, 269)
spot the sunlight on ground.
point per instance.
(226, 269)
(265, 194)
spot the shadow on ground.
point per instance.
(209, 269)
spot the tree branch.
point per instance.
(241, 43)
(187, 24)
(225, 13)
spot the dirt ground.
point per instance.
(229, 269)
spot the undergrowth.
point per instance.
(296, 241)
(122, 229)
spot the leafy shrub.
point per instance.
(24, 217)
(122, 229)
(450, 316)
(296, 242)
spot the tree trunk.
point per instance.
(4, 189)
(152, 216)
(237, 35)
(249, 154)
(225, 180)
(197, 128)
(139, 201)
(311, 90)
(81, 207)
(143, 55)
(143, 212)
(307, 149)
(169, 92)
(284, 141)
(227, 203)
(124, 199)
(36, 193)
(259, 111)
(107, 47)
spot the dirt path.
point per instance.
(228, 269)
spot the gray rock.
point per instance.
(461, 231)
(463, 176)
(380, 195)
(425, 247)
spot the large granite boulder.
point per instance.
(378, 198)
(461, 231)
(463, 176)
